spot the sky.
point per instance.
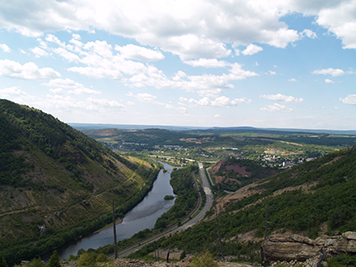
(203, 63)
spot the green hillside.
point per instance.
(56, 183)
(312, 199)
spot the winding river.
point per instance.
(142, 216)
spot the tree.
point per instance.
(2, 262)
(54, 260)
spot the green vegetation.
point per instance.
(168, 197)
(316, 193)
(342, 260)
(203, 260)
(232, 174)
(187, 197)
(54, 260)
(269, 147)
(57, 184)
(2, 262)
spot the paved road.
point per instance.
(190, 223)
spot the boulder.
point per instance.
(287, 251)
(281, 247)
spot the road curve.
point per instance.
(190, 223)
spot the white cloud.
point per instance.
(190, 30)
(329, 81)
(97, 72)
(10, 91)
(329, 71)
(240, 74)
(221, 101)
(292, 80)
(38, 52)
(271, 72)
(76, 36)
(276, 107)
(105, 102)
(131, 51)
(56, 90)
(77, 88)
(63, 83)
(143, 97)
(5, 48)
(101, 48)
(28, 71)
(251, 49)
(69, 56)
(340, 19)
(53, 39)
(309, 33)
(207, 63)
(79, 91)
(17, 95)
(350, 99)
(283, 98)
(179, 109)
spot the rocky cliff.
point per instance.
(281, 247)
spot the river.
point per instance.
(142, 216)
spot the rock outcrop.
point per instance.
(280, 247)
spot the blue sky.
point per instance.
(285, 64)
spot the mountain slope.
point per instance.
(56, 183)
(314, 198)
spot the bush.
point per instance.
(86, 259)
(203, 260)
(101, 258)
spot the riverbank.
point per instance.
(143, 215)
(117, 221)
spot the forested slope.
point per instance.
(56, 183)
(314, 198)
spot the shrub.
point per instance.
(203, 260)
(86, 259)
(101, 258)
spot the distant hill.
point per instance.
(207, 130)
(56, 183)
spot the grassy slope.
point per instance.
(54, 176)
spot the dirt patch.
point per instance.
(239, 169)
(236, 168)
(330, 162)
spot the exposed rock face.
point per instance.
(295, 247)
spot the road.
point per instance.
(190, 223)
